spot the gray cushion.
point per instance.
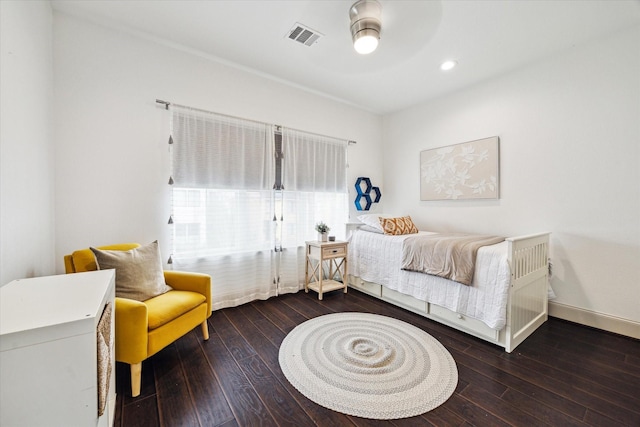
(139, 274)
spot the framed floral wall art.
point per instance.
(469, 170)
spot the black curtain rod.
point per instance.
(166, 106)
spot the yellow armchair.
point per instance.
(144, 328)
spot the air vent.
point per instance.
(303, 34)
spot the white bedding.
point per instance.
(376, 257)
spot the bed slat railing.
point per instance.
(527, 255)
(528, 258)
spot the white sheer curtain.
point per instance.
(223, 173)
(314, 179)
(244, 202)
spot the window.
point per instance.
(246, 196)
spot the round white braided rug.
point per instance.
(368, 365)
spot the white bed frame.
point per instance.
(528, 258)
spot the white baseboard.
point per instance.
(594, 319)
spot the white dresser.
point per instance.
(48, 350)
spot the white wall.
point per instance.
(569, 164)
(112, 159)
(568, 126)
(26, 141)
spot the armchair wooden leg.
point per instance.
(136, 376)
(205, 330)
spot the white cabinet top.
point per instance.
(29, 307)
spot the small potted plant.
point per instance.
(322, 230)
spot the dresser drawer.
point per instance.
(474, 326)
(366, 287)
(404, 300)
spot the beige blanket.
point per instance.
(452, 256)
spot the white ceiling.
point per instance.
(487, 38)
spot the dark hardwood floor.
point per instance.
(563, 375)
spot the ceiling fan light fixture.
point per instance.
(366, 41)
(365, 25)
(448, 65)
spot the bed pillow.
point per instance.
(371, 229)
(373, 220)
(398, 226)
(139, 274)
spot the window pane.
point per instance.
(218, 222)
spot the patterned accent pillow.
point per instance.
(398, 226)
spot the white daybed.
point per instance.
(505, 303)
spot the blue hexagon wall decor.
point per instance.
(376, 190)
(364, 190)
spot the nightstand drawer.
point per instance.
(334, 251)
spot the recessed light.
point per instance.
(448, 65)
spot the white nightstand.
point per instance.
(335, 255)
